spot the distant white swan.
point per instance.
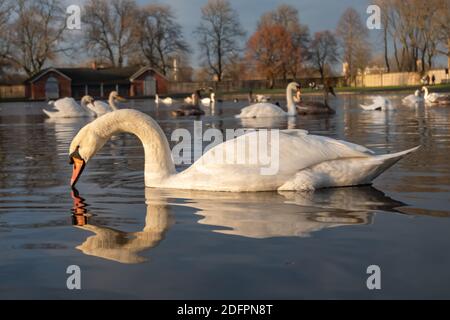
(69, 108)
(167, 101)
(378, 104)
(267, 110)
(100, 107)
(188, 100)
(262, 98)
(435, 98)
(301, 161)
(208, 101)
(413, 98)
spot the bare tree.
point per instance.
(219, 34)
(324, 52)
(109, 29)
(5, 10)
(443, 27)
(354, 41)
(160, 37)
(413, 29)
(35, 34)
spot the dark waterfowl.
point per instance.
(310, 107)
(192, 109)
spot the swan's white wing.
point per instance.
(295, 132)
(409, 98)
(99, 107)
(67, 106)
(343, 172)
(167, 101)
(357, 147)
(382, 101)
(371, 107)
(259, 162)
(262, 110)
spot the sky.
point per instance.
(317, 14)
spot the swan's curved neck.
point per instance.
(112, 103)
(158, 157)
(86, 108)
(292, 110)
(426, 92)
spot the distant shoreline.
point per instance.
(242, 94)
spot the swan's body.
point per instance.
(299, 161)
(269, 110)
(436, 98)
(262, 98)
(378, 104)
(311, 108)
(188, 110)
(69, 108)
(100, 108)
(431, 97)
(316, 107)
(208, 101)
(413, 98)
(167, 101)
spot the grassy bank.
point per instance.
(342, 90)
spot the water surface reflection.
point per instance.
(252, 215)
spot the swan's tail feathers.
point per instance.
(370, 108)
(345, 172)
(49, 113)
(386, 161)
(396, 156)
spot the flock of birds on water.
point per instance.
(305, 162)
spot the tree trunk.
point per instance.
(386, 50)
(396, 56)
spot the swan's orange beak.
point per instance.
(78, 167)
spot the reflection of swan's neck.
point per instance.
(112, 103)
(125, 247)
(292, 111)
(158, 157)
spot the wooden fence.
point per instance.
(399, 78)
(17, 91)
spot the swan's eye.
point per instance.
(75, 154)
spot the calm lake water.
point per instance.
(132, 242)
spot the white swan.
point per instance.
(378, 104)
(167, 101)
(435, 98)
(69, 108)
(262, 98)
(100, 107)
(208, 101)
(188, 100)
(413, 98)
(300, 161)
(267, 110)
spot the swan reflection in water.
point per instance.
(116, 245)
(252, 215)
